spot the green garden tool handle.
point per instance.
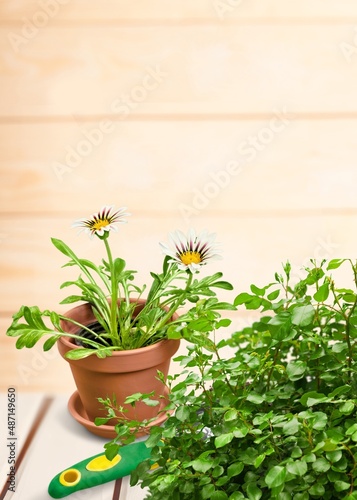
(98, 470)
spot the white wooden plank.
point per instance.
(132, 492)
(59, 443)
(25, 411)
(178, 10)
(169, 70)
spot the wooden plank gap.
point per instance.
(189, 22)
(296, 116)
(117, 489)
(246, 213)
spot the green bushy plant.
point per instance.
(270, 412)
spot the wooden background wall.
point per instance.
(238, 116)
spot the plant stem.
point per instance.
(114, 297)
(175, 305)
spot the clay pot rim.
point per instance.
(69, 343)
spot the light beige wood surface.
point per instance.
(125, 71)
(234, 116)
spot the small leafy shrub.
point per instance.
(277, 417)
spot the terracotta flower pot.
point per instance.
(122, 374)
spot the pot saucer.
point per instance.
(77, 411)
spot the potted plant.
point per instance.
(270, 412)
(117, 321)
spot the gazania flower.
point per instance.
(103, 221)
(191, 251)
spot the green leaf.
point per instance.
(237, 495)
(218, 471)
(235, 469)
(343, 389)
(317, 490)
(207, 491)
(276, 476)
(296, 370)
(301, 496)
(334, 456)
(62, 247)
(259, 460)
(322, 293)
(351, 430)
(50, 342)
(335, 263)
(182, 413)
(341, 485)
(150, 402)
(243, 298)
(222, 284)
(273, 295)
(319, 420)
(297, 468)
(347, 407)
(312, 398)
(111, 450)
(154, 438)
(253, 492)
(255, 398)
(303, 315)
(257, 291)
(291, 427)
(202, 464)
(230, 415)
(321, 465)
(119, 266)
(219, 495)
(72, 298)
(223, 439)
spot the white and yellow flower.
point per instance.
(103, 221)
(191, 251)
